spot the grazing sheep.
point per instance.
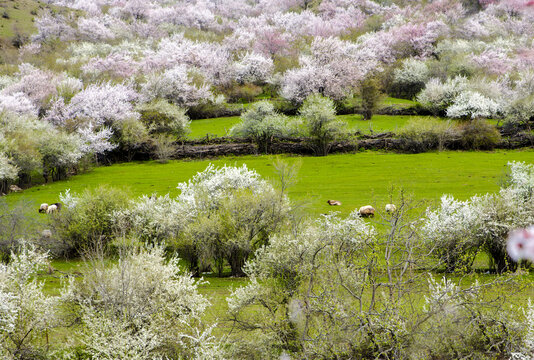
(334, 202)
(391, 208)
(43, 208)
(15, 188)
(58, 205)
(367, 211)
(51, 209)
(47, 234)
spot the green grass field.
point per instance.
(354, 179)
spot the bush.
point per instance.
(243, 93)
(261, 124)
(26, 312)
(410, 79)
(164, 147)
(161, 117)
(370, 93)
(479, 135)
(85, 221)
(461, 229)
(319, 120)
(15, 224)
(428, 134)
(142, 307)
(436, 97)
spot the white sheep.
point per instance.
(390, 208)
(43, 208)
(367, 211)
(51, 209)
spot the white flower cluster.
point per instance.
(216, 182)
(132, 309)
(25, 311)
(485, 221)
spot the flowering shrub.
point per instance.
(140, 308)
(175, 86)
(320, 124)
(262, 124)
(103, 104)
(253, 68)
(26, 312)
(473, 105)
(410, 78)
(461, 229)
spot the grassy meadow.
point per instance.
(354, 179)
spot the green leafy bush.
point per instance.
(85, 221)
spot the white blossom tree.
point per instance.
(26, 312)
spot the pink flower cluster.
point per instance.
(520, 244)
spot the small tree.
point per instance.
(262, 124)
(162, 117)
(164, 147)
(370, 93)
(319, 116)
(85, 220)
(142, 307)
(26, 313)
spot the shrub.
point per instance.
(15, 224)
(262, 124)
(410, 79)
(461, 229)
(479, 135)
(320, 123)
(161, 117)
(132, 136)
(143, 307)
(26, 313)
(164, 147)
(243, 93)
(370, 92)
(437, 96)
(473, 105)
(85, 222)
(428, 134)
(521, 111)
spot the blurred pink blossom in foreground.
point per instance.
(521, 244)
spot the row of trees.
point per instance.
(223, 215)
(317, 121)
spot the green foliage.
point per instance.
(370, 93)
(164, 147)
(320, 123)
(132, 136)
(243, 93)
(423, 134)
(162, 117)
(86, 223)
(262, 124)
(479, 135)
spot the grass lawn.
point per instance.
(354, 179)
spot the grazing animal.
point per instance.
(15, 188)
(51, 209)
(58, 205)
(46, 234)
(367, 211)
(334, 202)
(391, 208)
(43, 208)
